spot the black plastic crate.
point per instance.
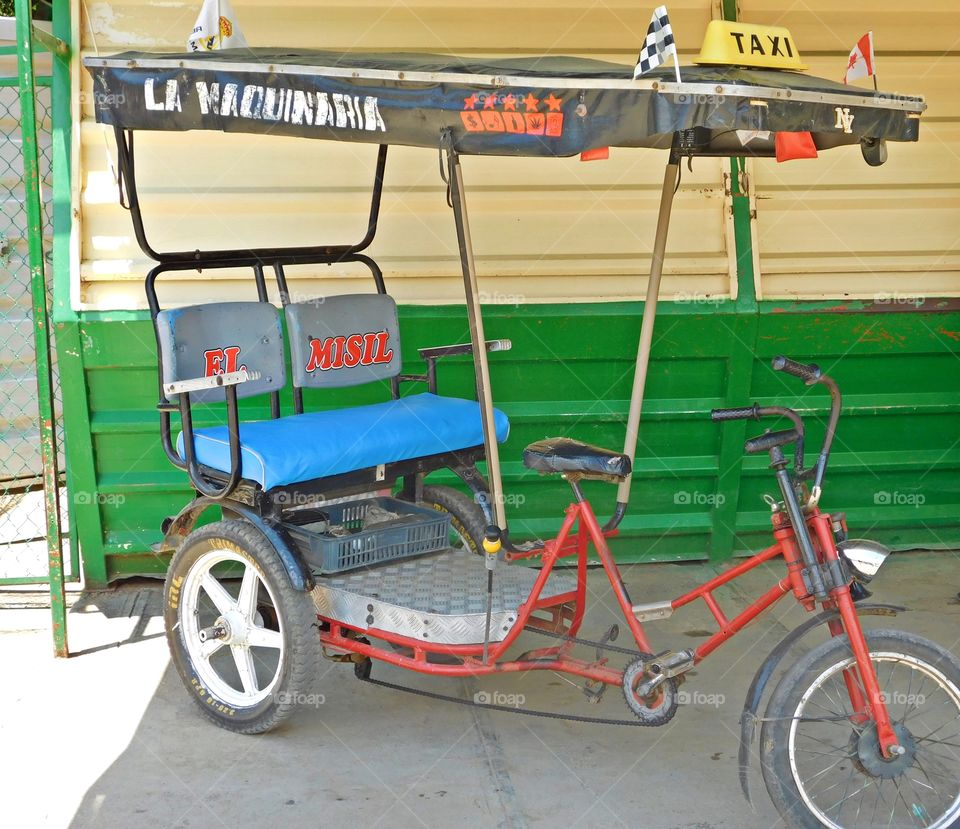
(355, 534)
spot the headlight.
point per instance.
(863, 556)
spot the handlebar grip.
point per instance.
(808, 373)
(764, 443)
(743, 413)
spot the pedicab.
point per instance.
(312, 558)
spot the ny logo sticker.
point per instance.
(844, 119)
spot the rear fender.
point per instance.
(179, 528)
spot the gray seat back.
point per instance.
(343, 340)
(205, 340)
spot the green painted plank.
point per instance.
(901, 407)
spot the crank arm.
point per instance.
(662, 668)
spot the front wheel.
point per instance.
(821, 760)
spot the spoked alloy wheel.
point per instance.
(235, 655)
(822, 763)
(243, 640)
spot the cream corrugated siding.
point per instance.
(544, 230)
(836, 228)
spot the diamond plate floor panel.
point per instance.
(437, 598)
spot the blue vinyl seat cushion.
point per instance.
(299, 448)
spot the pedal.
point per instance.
(593, 689)
(610, 636)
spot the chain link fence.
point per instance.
(23, 548)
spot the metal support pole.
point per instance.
(649, 315)
(475, 316)
(41, 328)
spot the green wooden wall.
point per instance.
(695, 496)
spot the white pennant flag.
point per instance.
(216, 28)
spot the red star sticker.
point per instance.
(489, 101)
(471, 102)
(510, 103)
(530, 102)
(553, 102)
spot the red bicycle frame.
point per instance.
(566, 611)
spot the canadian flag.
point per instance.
(860, 64)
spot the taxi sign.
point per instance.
(740, 44)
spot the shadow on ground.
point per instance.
(366, 756)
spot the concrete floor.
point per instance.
(109, 738)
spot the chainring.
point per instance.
(653, 712)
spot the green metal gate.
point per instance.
(32, 491)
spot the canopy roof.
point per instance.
(536, 106)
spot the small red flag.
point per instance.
(596, 154)
(791, 145)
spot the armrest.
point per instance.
(182, 388)
(231, 378)
(462, 348)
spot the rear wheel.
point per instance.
(243, 640)
(467, 524)
(822, 763)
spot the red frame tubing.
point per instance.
(820, 524)
(571, 606)
(471, 665)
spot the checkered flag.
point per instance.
(658, 46)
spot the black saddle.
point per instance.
(576, 459)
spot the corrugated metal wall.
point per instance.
(835, 228)
(832, 228)
(561, 231)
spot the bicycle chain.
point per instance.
(365, 677)
(552, 715)
(606, 646)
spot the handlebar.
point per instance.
(811, 374)
(766, 442)
(743, 413)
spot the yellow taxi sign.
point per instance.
(742, 44)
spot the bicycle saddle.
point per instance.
(576, 459)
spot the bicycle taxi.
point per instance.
(312, 559)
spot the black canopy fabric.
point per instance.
(546, 106)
